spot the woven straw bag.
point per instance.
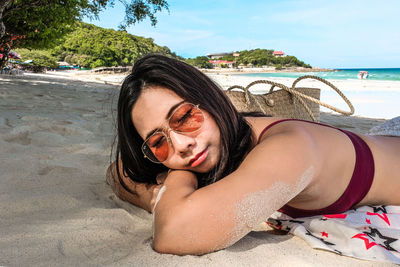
(295, 102)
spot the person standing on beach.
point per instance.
(210, 174)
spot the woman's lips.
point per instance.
(199, 158)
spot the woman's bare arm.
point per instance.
(190, 221)
(142, 195)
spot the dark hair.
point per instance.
(193, 86)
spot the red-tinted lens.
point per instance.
(158, 145)
(187, 118)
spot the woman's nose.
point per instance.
(181, 142)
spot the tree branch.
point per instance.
(33, 4)
(3, 4)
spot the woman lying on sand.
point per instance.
(210, 174)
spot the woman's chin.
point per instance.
(207, 166)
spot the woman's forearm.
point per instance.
(193, 221)
(171, 212)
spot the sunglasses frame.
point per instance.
(197, 106)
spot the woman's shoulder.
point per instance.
(283, 139)
(285, 156)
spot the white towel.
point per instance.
(368, 232)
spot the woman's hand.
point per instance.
(142, 195)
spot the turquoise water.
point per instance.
(388, 74)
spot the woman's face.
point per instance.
(197, 151)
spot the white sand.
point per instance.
(55, 207)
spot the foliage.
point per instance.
(45, 22)
(200, 62)
(40, 58)
(228, 58)
(6, 43)
(264, 57)
(92, 46)
(256, 57)
(138, 10)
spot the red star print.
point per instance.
(324, 234)
(338, 216)
(383, 216)
(368, 221)
(368, 244)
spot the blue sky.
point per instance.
(331, 34)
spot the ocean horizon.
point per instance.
(380, 74)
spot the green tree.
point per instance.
(40, 59)
(228, 58)
(260, 57)
(44, 15)
(92, 46)
(200, 62)
(43, 22)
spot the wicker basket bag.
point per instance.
(295, 102)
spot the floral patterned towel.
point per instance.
(368, 232)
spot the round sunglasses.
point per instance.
(186, 118)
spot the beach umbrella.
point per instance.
(13, 54)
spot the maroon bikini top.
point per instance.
(358, 187)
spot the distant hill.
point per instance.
(265, 57)
(91, 46)
(255, 57)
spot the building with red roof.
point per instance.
(278, 54)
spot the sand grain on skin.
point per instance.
(159, 195)
(256, 207)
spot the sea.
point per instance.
(385, 74)
(384, 102)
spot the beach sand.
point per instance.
(56, 208)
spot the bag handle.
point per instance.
(346, 100)
(249, 96)
(299, 96)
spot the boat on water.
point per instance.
(362, 74)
